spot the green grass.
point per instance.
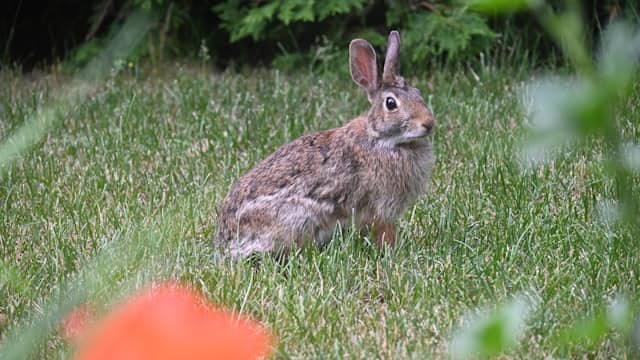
(148, 160)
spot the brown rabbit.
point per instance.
(369, 170)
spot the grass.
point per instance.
(147, 161)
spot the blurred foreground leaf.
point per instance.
(100, 278)
(22, 341)
(618, 57)
(492, 334)
(123, 42)
(563, 110)
(589, 331)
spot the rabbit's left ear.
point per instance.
(364, 68)
(390, 73)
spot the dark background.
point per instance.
(38, 33)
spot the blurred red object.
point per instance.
(172, 322)
(75, 324)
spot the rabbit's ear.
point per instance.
(390, 73)
(364, 68)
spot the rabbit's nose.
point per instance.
(428, 124)
(428, 127)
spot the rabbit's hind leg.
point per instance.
(384, 233)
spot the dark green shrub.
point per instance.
(270, 19)
(438, 29)
(291, 34)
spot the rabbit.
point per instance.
(367, 171)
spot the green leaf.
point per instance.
(562, 111)
(492, 334)
(619, 55)
(618, 316)
(631, 157)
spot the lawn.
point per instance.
(146, 158)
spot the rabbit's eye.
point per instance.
(390, 103)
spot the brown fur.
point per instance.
(370, 169)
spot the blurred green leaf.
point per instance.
(619, 55)
(119, 46)
(635, 335)
(586, 331)
(609, 211)
(97, 278)
(492, 334)
(26, 136)
(586, 107)
(568, 31)
(564, 110)
(617, 316)
(631, 157)
(23, 340)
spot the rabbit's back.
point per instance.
(296, 194)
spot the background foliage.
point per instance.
(286, 33)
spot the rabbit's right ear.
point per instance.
(364, 68)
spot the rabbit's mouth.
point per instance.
(415, 143)
(418, 135)
(419, 129)
(405, 136)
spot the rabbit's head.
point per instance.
(398, 112)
